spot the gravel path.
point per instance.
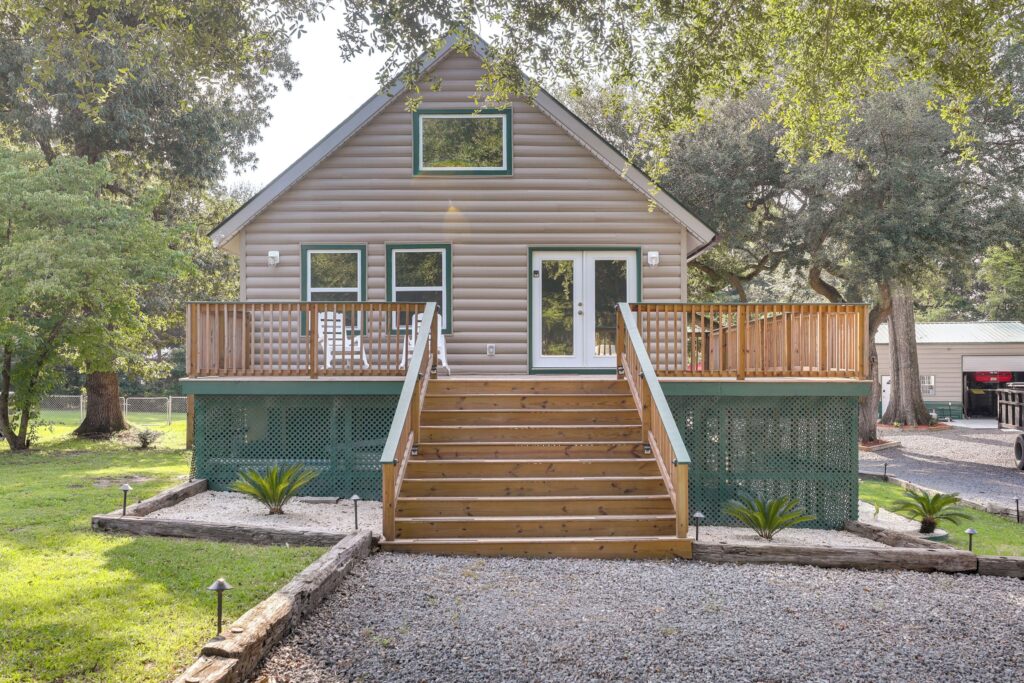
(811, 537)
(422, 618)
(237, 508)
(976, 463)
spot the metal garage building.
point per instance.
(961, 364)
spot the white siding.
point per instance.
(945, 362)
(560, 194)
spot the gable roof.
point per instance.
(702, 236)
(983, 332)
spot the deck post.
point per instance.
(313, 322)
(620, 346)
(190, 422)
(434, 331)
(388, 494)
(681, 487)
(741, 342)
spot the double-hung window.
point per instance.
(928, 385)
(334, 273)
(421, 273)
(462, 142)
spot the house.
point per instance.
(961, 365)
(479, 317)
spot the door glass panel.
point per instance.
(556, 313)
(609, 290)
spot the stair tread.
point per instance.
(570, 442)
(539, 461)
(532, 479)
(570, 498)
(529, 410)
(536, 518)
(532, 539)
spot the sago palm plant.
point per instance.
(275, 487)
(767, 517)
(931, 509)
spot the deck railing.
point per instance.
(755, 340)
(298, 339)
(659, 429)
(405, 426)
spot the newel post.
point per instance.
(620, 345)
(313, 321)
(388, 494)
(682, 493)
(741, 342)
(434, 331)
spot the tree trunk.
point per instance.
(15, 440)
(103, 410)
(867, 419)
(906, 405)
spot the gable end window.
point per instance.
(462, 142)
(421, 273)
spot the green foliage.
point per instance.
(74, 260)
(767, 517)
(930, 509)
(1002, 272)
(816, 62)
(275, 487)
(996, 535)
(76, 605)
(147, 437)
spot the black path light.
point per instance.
(1016, 502)
(220, 585)
(885, 471)
(698, 517)
(125, 488)
(355, 504)
(970, 539)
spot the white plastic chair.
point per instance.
(334, 337)
(442, 350)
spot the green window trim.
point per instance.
(446, 287)
(417, 142)
(307, 249)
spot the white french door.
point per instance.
(572, 307)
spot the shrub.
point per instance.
(147, 437)
(275, 487)
(931, 509)
(767, 517)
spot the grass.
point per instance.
(997, 535)
(76, 605)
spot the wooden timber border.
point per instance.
(235, 656)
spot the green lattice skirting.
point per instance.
(339, 436)
(801, 446)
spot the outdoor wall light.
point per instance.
(220, 585)
(653, 258)
(970, 539)
(355, 505)
(273, 258)
(698, 517)
(125, 488)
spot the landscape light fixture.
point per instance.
(1016, 502)
(698, 517)
(125, 488)
(220, 585)
(885, 471)
(355, 505)
(970, 539)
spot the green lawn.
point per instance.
(81, 606)
(996, 535)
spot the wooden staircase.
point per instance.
(533, 467)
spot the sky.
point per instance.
(328, 91)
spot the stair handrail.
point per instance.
(405, 426)
(658, 427)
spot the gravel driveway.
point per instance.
(424, 618)
(976, 463)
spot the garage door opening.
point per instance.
(982, 376)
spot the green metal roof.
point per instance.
(981, 332)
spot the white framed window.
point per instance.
(422, 273)
(462, 142)
(928, 385)
(333, 273)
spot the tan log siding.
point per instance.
(945, 362)
(560, 194)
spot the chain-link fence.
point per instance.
(69, 409)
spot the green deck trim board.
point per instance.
(683, 387)
(417, 169)
(291, 387)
